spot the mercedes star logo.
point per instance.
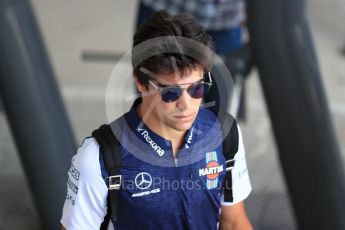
(143, 180)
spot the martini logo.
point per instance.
(212, 170)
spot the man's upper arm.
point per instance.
(234, 217)
(85, 204)
(63, 228)
(241, 186)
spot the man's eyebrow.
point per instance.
(162, 85)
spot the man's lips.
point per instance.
(184, 117)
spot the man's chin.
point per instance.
(182, 127)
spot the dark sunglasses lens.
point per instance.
(170, 94)
(198, 90)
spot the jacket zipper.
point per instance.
(179, 189)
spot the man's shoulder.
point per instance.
(88, 147)
(207, 115)
(206, 119)
(86, 159)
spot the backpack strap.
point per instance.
(230, 148)
(110, 148)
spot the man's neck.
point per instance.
(176, 137)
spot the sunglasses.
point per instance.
(171, 93)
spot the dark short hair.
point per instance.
(162, 24)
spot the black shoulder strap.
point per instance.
(230, 148)
(110, 148)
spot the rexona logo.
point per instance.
(212, 170)
(145, 134)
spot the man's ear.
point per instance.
(140, 87)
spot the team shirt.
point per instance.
(158, 191)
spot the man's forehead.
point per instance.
(176, 78)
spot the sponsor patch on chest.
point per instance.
(143, 181)
(212, 170)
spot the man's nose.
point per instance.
(184, 101)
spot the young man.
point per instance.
(172, 161)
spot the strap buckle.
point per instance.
(230, 164)
(115, 182)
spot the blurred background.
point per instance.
(85, 38)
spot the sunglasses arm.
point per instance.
(209, 77)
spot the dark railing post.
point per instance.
(308, 150)
(34, 109)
